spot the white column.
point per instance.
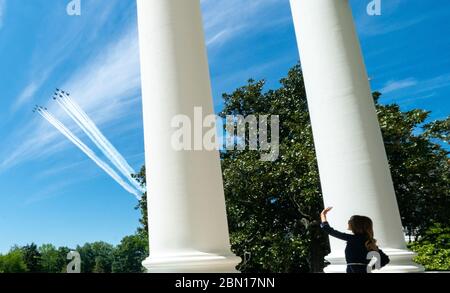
(187, 217)
(353, 165)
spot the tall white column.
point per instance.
(187, 216)
(353, 165)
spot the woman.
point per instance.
(359, 244)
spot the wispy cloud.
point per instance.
(388, 22)
(241, 76)
(34, 140)
(56, 170)
(104, 85)
(2, 12)
(27, 94)
(30, 90)
(228, 19)
(416, 91)
(415, 87)
(434, 83)
(393, 27)
(110, 80)
(52, 191)
(47, 59)
(396, 85)
(418, 98)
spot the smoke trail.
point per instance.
(102, 142)
(89, 127)
(75, 140)
(100, 135)
(77, 119)
(66, 132)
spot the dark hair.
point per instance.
(361, 225)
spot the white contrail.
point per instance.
(102, 142)
(70, 111)
(66, 132)
(75, 140)
(89, 127)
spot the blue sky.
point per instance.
(51, 193)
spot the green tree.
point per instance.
(96, 257)
(433, 248)
(142, 206)
(62, 259)
(273, 206)
(53, 260)
(130, 253)
(49, 259)
(419, 165)
(13, 262)
(32, 258)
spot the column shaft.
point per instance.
(187, 216)
(353, 165)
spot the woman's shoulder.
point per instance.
(359, 237)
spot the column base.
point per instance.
(196, 262)
(401, 262)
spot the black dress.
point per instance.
(355, 251)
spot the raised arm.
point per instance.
(329, 230)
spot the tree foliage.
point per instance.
(433, 248)
(267, 212)
(419, 165)
(130, 253)
(52, 259)
(273, 206)
(32, 258)
(142, 206)
(13, 262)
(96, 257)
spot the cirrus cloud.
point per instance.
(2, 11)
(396, 85)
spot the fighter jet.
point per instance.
(40, 108)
